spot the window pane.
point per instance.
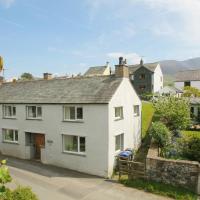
(137, 110)
(72, 112)
(39, 111)
(82, 144)
(8, 111)
(79, 113)
(117, 142)
(66, 112)
(16, 135)
(14, 111)
(8, 135)
(70, 143)
(119, 112)
(32, 111)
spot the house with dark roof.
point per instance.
(146, 78)
(79, 123)
(188, 78)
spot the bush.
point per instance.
(6, 195)
(24, 193)
(160, 133)
(190, 147)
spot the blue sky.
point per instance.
(68, 36)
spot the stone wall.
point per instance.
(175, 172)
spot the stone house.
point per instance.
(146, 78)
(188, 78)
(78, 123)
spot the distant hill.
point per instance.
(170, 67)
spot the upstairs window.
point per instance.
(118, 112)
(72, 113)
(136, 109)
(119, 142)
(9, 111)
(74, 144)
(10, 135)
(34, 112)
(142, 76)
(142, 87)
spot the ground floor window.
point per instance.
(10, 135)
(73, 143)
(119, 142)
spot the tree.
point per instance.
(191, 92)
(173, 112)
(27, 76)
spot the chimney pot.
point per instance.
(47, 76)
(120, 60)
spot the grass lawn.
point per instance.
(147, 115)
(160, 189)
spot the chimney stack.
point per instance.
(121, 70)
(47, 76)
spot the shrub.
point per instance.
(24, 193)
(6, 195)
(160, 133)
(190, 147)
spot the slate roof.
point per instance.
(170, 90)
(95, 71)
(150, 66)
(188, 75)
(56, 91)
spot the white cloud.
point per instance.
(6, 3)
(132, 58)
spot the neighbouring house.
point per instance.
(188, 78)
(195, 108)
(170, 91)
(78, 123)
(146, 78)
(99, 70)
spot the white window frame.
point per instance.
(136, 114)
(121, 142)
(27, 113)
(121, 113)
(15, 132)
(73, 152)
(12, 112)
(75, 107)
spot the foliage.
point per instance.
(4, 175)
(20, 193)
(147, 115)
(160, 189)
(191, 91)
(146, 96)
(160, 134)
(26, 76)
(24, 193)
(190, 147)
(173, 112)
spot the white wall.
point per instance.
(94, 128)
(130, 125)
(180, 85)
(157, 76)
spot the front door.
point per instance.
(39, 143)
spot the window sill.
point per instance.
(74, 121)
(75, 153)
(9, 118)
(38, 119)
(117, 119)
(10, 142)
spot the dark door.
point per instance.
(39, 143)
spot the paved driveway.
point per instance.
(54, 183)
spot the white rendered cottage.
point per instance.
(77, 123)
